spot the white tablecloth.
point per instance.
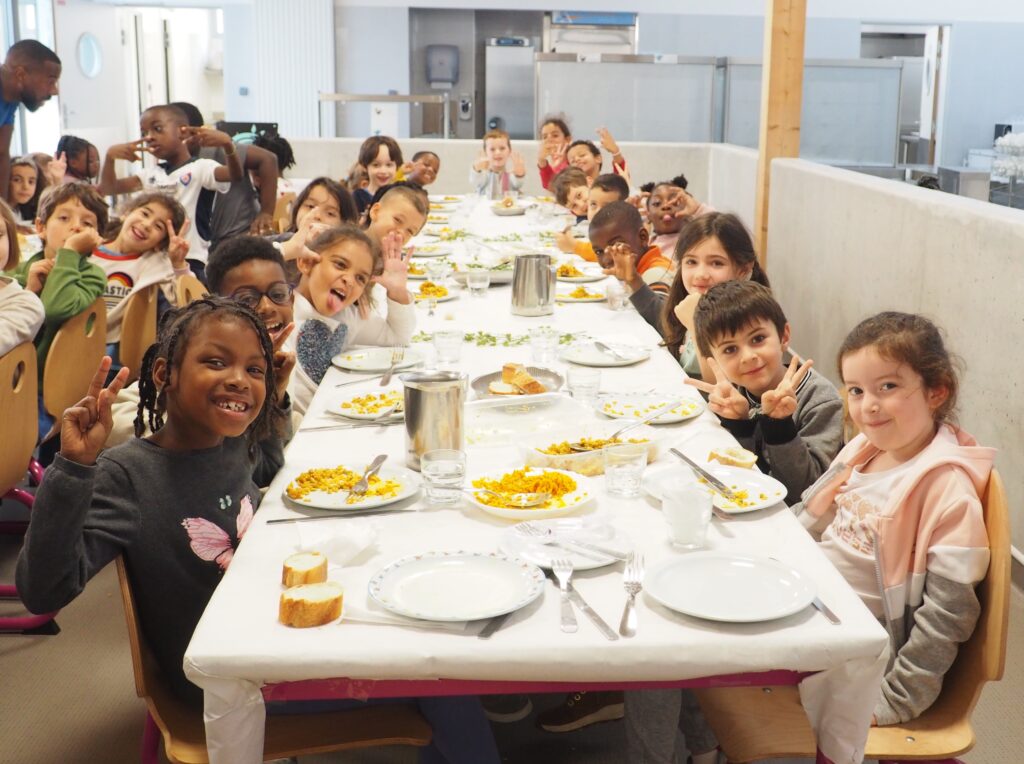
(239, 645)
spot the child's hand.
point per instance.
(640, 202)
(83, 242)
(622, 172)
(565, 241)
(481, 162)
(37, 274)
(724, 399)
(177, 244)
(688, 206)
(543, 150)
(129, 152)
(623, 263)
(607, 142)
(57, 168)
(85, 426)
(284, 362)
(205, 136)
(406, 170)
(262, 225)
(395, 276)
(684, 311)
(518, 164)
(780, 403)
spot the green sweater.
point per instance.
(71, 287)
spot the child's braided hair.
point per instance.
(176, 328)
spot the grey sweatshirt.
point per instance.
(174, 515)
(798, 449)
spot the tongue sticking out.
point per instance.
(334, 302)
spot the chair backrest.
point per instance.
(18, 393)
(138, 329)
(283, 211)
(143, 661)
(188, 288)
(982, 657)
(74, 355)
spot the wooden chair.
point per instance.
(752, 723)
(184, 735)
(138, 329)
(18, 394)
(73, 358)
(283, 211)
(188, 288)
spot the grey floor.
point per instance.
(71, 698)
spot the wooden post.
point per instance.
(782, 73)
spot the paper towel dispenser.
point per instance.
(442, 66)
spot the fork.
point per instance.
(397, 354)
(562, 569)
(632, 581)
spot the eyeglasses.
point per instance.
(280, 292)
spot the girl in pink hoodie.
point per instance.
(899, 511)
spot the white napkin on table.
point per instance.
(339, 543)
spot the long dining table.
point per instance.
(240, 655)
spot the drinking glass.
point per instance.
(448, 345)
(687, 510)
(584, 383)
(616, 293)
(478, 281)
(444, 471)
(623, 468)
(543, 344)
(437, 271)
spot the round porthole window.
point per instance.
(90, 55)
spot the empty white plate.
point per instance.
(725, 587)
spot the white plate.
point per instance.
(585, 529)
(439, 231)
(432, 250)
(508, 211)
(423, 298)
(640, 406)
(375, 359)
(397, 397)
(586, 278)
(444, 199)
(438, 217)
(409, 480)
(753, 481)
(564, 297)
(456, 586)
(552, 380)
(497, 277)
(588, 355)
(724, 587)
(569, 503)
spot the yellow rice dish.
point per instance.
(333, 480)
(415, 270)
(527, 481)
(430, 289)
(592, 444)
(630, 409)
(569, 271)
(581, 293)
(742, 495)
(373, 403)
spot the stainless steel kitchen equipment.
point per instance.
(434, 403)
(533, 285)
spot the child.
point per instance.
(792, 418)
(166, 135)
(380, 156)
(149, 248)
(617, 231)
(711, 249)
(489, 174)
(669, 207)
(605, 190)
(400, 210)
(572, 191)
(27, 184)
(551, 149)
(898, 510)
(334, 304)
(585, 156)
(279, 147)
(423, 169)
(21, 312)
(322, 204)
(81, 158)
(176, 503)
(70, 217)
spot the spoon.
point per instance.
(579, 447)
(513, 500)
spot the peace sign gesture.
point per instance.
(724, 399)
(85, 426)
(284, 361)
(781, 402)
(177, 244)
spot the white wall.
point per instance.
(240, 65)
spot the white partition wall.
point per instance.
(843, 246)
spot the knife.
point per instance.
(577, 599)
(492, 626)
(826, 611)
(610, 351)
(714, 482)
(564, 542)
(343, 514)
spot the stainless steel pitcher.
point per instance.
(433, 412)
(533, 285)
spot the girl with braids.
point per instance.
(176, 503)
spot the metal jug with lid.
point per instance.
(433, 412)
(533, 285)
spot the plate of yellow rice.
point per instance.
(329, 487)
(568, 492)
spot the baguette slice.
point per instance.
(526, 382)
(509, 370)
(310, 605)
(734, 456)
(304, 568)
(502, 388)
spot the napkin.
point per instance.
(340, 545)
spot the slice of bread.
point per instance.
(304, 568)
(526, 382)
(502, 388)
(310, 605)
(733, 456)
(509, 370)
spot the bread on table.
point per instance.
(502, 388)
(304, 568)
(509, 370)
(310, 605)
(733, 456)
(526, 382)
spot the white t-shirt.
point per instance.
(185, 183)
(849, 541)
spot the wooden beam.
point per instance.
(782, 74)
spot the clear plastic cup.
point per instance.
(544, 344)
(584, 383)
(618, 299)
(444, 472)
(624, 465)
(478, 281)
(687, 510)
(448, 345)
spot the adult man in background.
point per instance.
(28, 77)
